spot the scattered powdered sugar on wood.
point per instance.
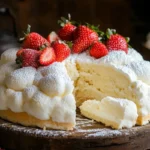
(85, 128)
(104, 133)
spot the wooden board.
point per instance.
(87, 135)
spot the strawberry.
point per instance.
(66, 32)
(33, 40)
(52, 37)
(85, 37)
(47, 56)
(62, 50)
(19, 56)
(98, 50)
(116, 42)
(19, 52)
(28, 57)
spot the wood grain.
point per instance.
(87, 135)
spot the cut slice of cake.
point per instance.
(114, 112)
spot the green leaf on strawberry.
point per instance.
(96, 29)
(26, 33)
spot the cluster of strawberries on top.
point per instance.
(37, 51)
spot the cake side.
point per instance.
(28, 120)
(41, 97)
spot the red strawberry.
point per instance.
(85, 37)
(66, 32)
(116, 41)
(98, 50)
(30, 58)
(19, 52)
(52, 37)
(34, 40)
(47, 56)
(19, 56)
(62, 50)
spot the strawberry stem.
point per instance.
(19, 61)
(25, 33)
(110, 32)
(69, 17)
(127, 39)
(129, 46)
(21, 39)
(69, 43)
(43, 46)
(97, 30)
(28, 29)
(64, 21)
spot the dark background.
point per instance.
(130, 17)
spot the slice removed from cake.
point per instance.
(114, 75)
(114, 112)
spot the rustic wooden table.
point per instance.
(88, 135)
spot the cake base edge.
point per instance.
(27, 120)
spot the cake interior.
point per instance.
(96, 81)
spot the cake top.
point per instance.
(74, 38)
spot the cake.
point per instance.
(114, 112)
(117, 75)
(43, 88)
(39, 97)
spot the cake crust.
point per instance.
(27, 120)
(142, 120)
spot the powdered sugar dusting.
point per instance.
(105, 132)
(85, 128)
